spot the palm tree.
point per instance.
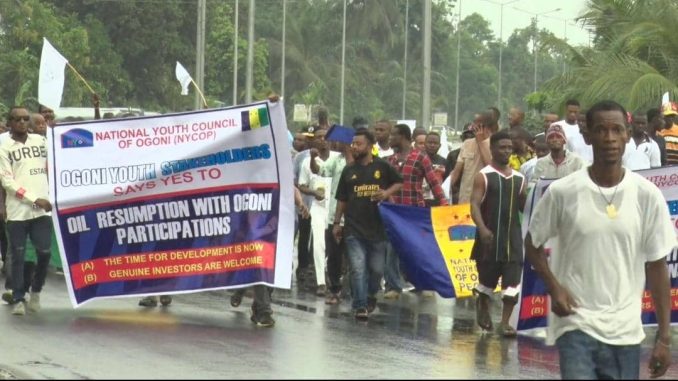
(635, 58)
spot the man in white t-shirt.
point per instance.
(382, 132)
(641, 152)
(573, 135)
(610, 229)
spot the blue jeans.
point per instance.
(392, 277)
(584, 358)
(40, 231)
(366, 261)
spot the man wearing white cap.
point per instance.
(560, 162)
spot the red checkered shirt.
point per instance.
(415, 168)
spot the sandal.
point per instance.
(483, 317)
(507, 331)
(149, 301)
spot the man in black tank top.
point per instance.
(498, 197)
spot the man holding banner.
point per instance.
(610, 230)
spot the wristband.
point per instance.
(657, 340)
(665, 345)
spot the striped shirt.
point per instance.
(671, 137)
(499, 209)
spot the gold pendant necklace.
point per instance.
(610, 208)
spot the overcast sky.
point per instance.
(515, 19)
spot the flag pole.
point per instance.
(81, 78)
(199, 92)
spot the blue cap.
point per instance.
(338, 133)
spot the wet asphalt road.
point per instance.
(200, 336)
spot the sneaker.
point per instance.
(34, 302)
(149, 301)
(263, 319)
(19, 308)
(361, 314)
(371, 304)
(165, 300)
(427, 294)
(321, 290)
(7, 297)
(391, 294)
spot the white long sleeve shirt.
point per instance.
(23, 171)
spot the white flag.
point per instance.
(51, 79)
(665, 98)
(183, 77)
(444, 148)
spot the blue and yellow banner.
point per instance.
(434, 245)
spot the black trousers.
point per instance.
(335, 259)
(305, 256)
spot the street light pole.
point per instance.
(282, 65)
(426, 96)
(407, 28)
(534, 50)
(456, 97)
(343, 67)
(200, 53)
(250, 53)
(501, 43)
(536, 29)
(235, 56)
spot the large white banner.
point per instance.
(173, 203)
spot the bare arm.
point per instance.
(315, 168)
(385, 194)
(657, 275)
(522, 198)
(476, 200)
(337, 230)
(303, 188)
(562, 303)
(482, 134)
(299, 203)
(392, 190)
(433, 181)
(456, 174)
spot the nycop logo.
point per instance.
(77, 138)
